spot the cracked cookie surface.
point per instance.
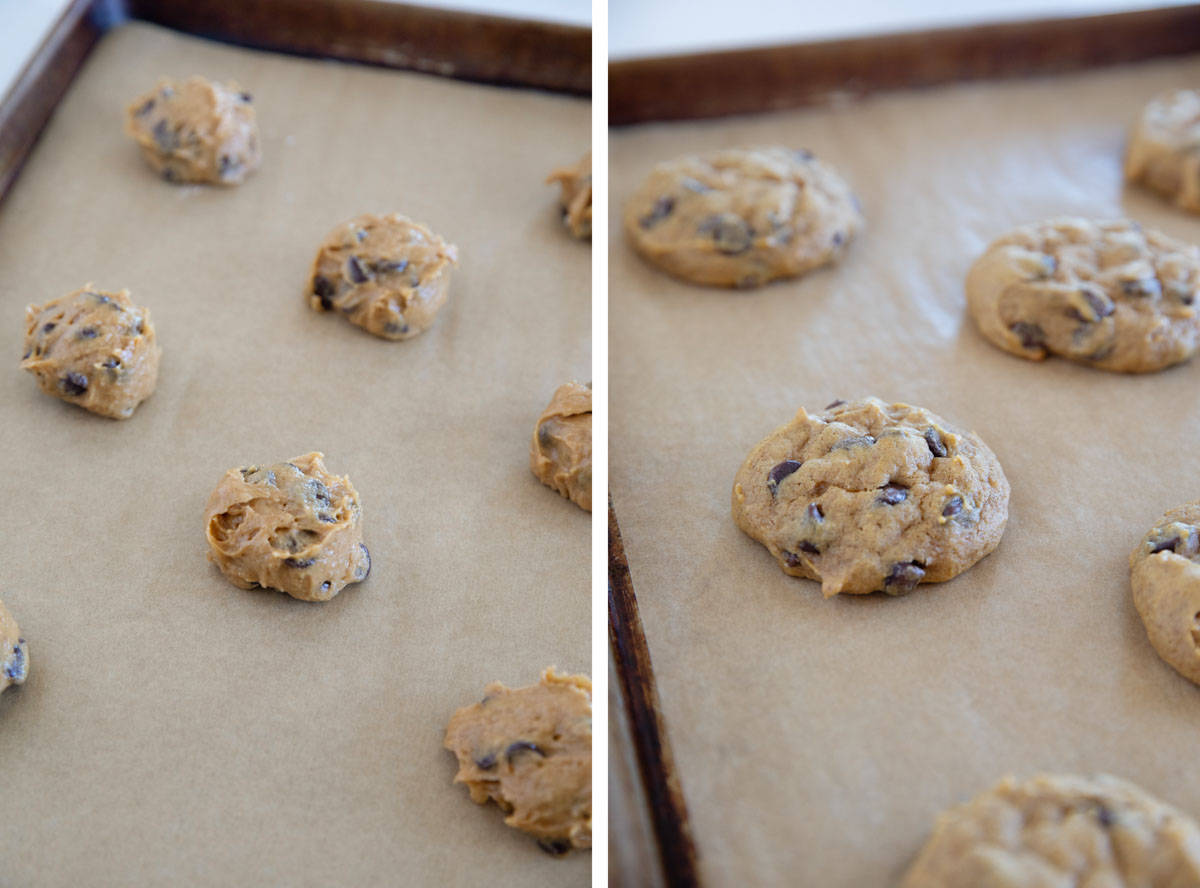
(560, 454)
(14, 652)
(868, 496)
(1053, 831)
(196, 131)
(387, 274)
(530, 750)
(1108, 294)
(290, 526)
(94, 349)
(1164, 148)
(742, 217)
(1164, 571)
(576, 184)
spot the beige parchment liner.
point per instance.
(817, 740)
(176, 729)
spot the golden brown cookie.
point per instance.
(560, 454)
(742, 217)
(1164, 571)
(868, 496)
(1109, 294)
(1055, 831)
(530, 751)
(196, 131)
(291, 526)
(94, 349)
(387, 274)
(576, 184)
(1164, 148)
(14, 653)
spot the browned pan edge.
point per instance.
(748, 81)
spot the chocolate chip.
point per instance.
(487, 762)
(838, 238)
(246, 97)
(16, 668)
(729, 232)
(228, 165)
(111, 363)
(326, 518)
(1164, 544)
(145, 109)
(781, 471)
(46, 328)
(892, 494)
(318, 490)
(140, 327)
(325, 586)
(367, 555)
(806, 546)
(87, 333)
(791, 559)
(521, 746)
(1031, 335)
(1099, 303)
(815, 513)
(386, 266)
(662, 208)
(903, 578)
(557, 847)
(837, 403)
(953, 506)
(1143, 287)
(934, 439)
(74, 384)
(853, 441)
(300, 563)
(165, 137)
(1105, 816)
(323, 290)
(355, 271)
(101, 299)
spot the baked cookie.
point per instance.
(94, 349)
(1164, 148)
(388, 274)
(1109, 294)
(742, 217)
(576, 184)
(196, 131)
(291, 526)
(14, 654)
(869, 496)
(530, 750)
(1164, 571)
(560, 454)
(1055, 831)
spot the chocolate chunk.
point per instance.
(815, 513)
(395, 329)
(781, 471)
(318, 490)
(662, 208)
(326, 518)
(933, 438)
(145, 109)
(355, 271)
(892, 494)
(522, 746)
(556, 847)
(74, 384)
(87, 333)
(228, 165)
(806, 546)
(904, 577)
(838, 238)
(164, 137)
(1144, 287)
(1031, 335)
(486, 762)
(1164, 544)
(729, 232)
(1099, 303)
(246, 97)
(386, 266)
(46, 328)
(1105, 816)
(323, 290)
(300, 563)
(953, 506)
(853, 441)
(367, 555)
(111, 363)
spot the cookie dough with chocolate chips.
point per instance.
(742, 217)
(868, 496)
(387, 274)
(1052, 831)
(14, 654)
(291, 526)
(196, 131)
(1164, 149)
(1164, 571)
(576, 184)
(560, 454)
(530, 751)
(1109, 294)
(94, 349)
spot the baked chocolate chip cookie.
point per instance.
(560, 454)
(1164, 571)
(1164, 148)
(576, 184)
(14, 653)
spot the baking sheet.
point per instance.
(175, 729)
(816, 740)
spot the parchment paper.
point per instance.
(175, 729)
(816, 740)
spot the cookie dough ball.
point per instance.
(1164, 571)
(1164, 149)
(14, 654)
(740, 218)
(576, 184)
(291, 526)
(196, 131)
(530, 751)
(1109, 294)
(560, 453)
(94, 349)
(388, 274)
(869, 496)
(1052, 831)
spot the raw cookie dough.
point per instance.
(869, 496)
(530, 750)
(1164, 149)
(14, 655)
(196, 131)
(94, 349)
(291, 526)
(576, 183)
(742, 217)
(560, 454)
(388, 274)
(1164, 571)
(1109, 294)
(1055, 831)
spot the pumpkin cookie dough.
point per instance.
(530, 750)
(291, 526)
(387, 274)
(1109, 294)
(742, 217)
(196, 131)
(576, 184)
(14, 654)
(1164, 149)
(94, 349)
(1054, 831)
(868, 496)
(560, 454)
(1164, 571)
